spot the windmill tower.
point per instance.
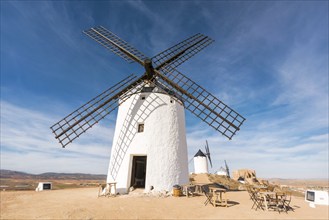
(201, 160)
(149, 146)
(200, 163)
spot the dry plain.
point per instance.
(83, 203)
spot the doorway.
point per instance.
(138, 174)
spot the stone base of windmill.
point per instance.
(141, 193)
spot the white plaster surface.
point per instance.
(163, 142)
(221, 172)
(200, 164)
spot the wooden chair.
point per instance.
(252, 195)
(249, 190)
(189, 190)
(287, 201)
(284, 201)
(208, 194)
(258, 200)
(100, 190)
(273, 202)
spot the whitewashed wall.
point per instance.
(163, 141)
(200, 164)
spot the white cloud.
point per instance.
(270, 153)
(27, 144)
(287, 133)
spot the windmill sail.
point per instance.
(178, 54)
(201, 103)
(115, 44)
(79, 121)
(196, 99)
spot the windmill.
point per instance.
(201, 160)
(149, 145)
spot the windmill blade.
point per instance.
(207, 147)
(79, 121)
(200, 102)
(116, 44)
(210, 160)
(178, 54)
(208, 153)
(227, 169)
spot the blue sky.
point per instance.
(269, 62)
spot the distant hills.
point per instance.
(10, 174)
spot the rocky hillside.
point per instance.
(226, 182)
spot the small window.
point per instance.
(143, 98)
(140, 128)
(171, 101)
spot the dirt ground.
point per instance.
(85, 204)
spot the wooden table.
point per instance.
(218, 196)
(261, 188)
(198, 186)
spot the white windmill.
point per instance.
(149, 146)
(201, 160)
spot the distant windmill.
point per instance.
(201, 160)
(149, 145)
(224, 171)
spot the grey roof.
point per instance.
(199, 154)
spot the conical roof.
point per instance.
(199, 154)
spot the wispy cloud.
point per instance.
(269, 153)
(27, 144)
(280, 86)
(160, 28)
